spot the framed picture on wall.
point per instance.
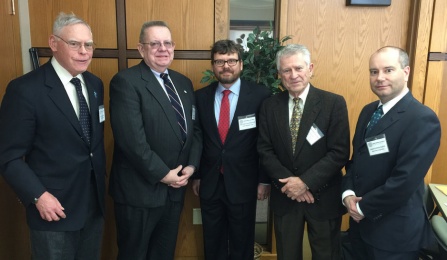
(369, 2)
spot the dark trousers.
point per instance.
(324, 236)
(83, 244)
(228, 229)
(363, 251)
(147, 233)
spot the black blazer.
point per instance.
(318, 165)
(392, 184)
(148, 141)
(238, 155)
(42, 146)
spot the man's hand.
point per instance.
(49, 207)
(196, 186)
(293, 187)
(172, 179)
(351, 205)
(263, 191)
(305, 197)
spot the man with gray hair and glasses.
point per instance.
(303, 144)
(52, 146)
(152, 111)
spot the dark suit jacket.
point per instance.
(391, 185)
(238, 155)
(42, 148)
(148, 141)
(318, 165)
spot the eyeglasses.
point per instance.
(74, 45)
(157, 45)
(221, 63)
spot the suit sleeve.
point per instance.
(269, 159)
(17, 130)
(128, 130)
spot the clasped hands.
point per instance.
(296, 189)
(176, 180)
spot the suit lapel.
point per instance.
(154, 87)
(58, 95)
(186, 103)
(389, 119)
(281, 117)
(244, 98)
(209, 113)
(93, 102)
(310, 112)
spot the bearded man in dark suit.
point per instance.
(229, 179)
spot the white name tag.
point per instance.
(102, 114)
(314, 134)
(193, 112)
(377, 145)
(247, 122)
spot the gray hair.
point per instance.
(63, 20)
(151, 24)
(403, 56)
(293, 49)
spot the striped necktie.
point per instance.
(176, 104)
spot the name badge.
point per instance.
(102, 114)
(314, 134)
(247, 122)
(193, 113)
(377, 145)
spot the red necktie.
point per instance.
(224, 116)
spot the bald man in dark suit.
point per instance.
(395, 142)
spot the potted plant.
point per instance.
(258, 58)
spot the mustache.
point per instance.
(226, 70)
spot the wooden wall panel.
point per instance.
(100, 14)
(10, 51)
(191, 22)
(418, 45)
(436, 97)
(438, 41)
(436, 87)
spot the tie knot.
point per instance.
(164, 76)
(380, 110)
(76, 82)
(226, 92)
(296, 101)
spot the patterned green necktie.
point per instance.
(295, 121)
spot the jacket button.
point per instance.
(91, 154)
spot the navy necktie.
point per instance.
(175, 102)
(84, 114)
(375, 118)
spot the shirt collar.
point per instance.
(303, 95)
(390, 104)
(235, 88)
(63, 74)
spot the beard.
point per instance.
(228, 79)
